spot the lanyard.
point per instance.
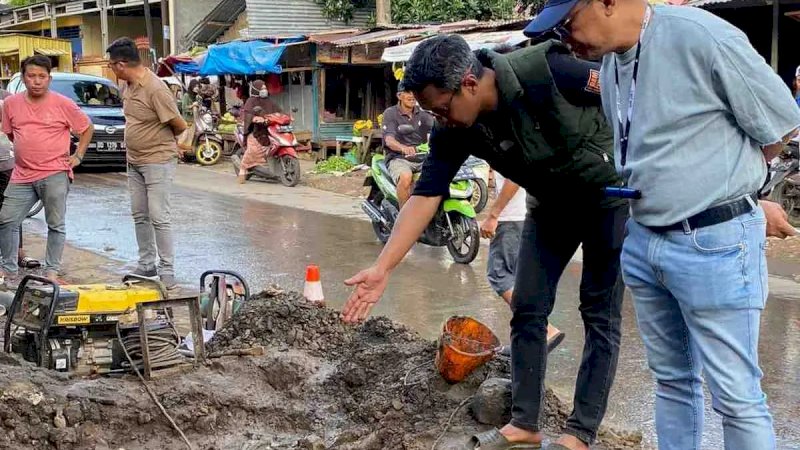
(625, 128)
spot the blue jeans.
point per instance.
(698, 299)
(19, 198)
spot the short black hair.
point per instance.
(441, 61)
(124, 49)
(38, 61)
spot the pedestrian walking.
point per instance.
(697, 113)
(152, 124)
(39, 122)
(534, 115)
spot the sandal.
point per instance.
(555, 446)
(30, 263)
(494, 440)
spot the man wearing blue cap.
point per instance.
(695, 112)
(534, 115)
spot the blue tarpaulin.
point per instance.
(244, 58)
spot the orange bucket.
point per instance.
(465, 345)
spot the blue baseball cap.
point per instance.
(552, 14)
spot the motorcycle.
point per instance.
(281, 157)
(208, 144)
(783, 185)
(476, 171)
(453, 226)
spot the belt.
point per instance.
(712, 216)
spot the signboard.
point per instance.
(333, 55)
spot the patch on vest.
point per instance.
(593, 82)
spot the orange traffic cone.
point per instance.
(312, 290)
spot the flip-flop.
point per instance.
(494, 440)
(555, 446)
(555, 342)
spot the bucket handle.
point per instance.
(446, 340)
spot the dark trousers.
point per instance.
(549, 240)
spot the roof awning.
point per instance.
(49, 52)
(245, 57)
(476, 41)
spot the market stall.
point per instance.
(16, 47)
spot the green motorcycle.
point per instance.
(453, 226)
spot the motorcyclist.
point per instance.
(259, 98)
(535, 116)
(400, 145)
(257, 145)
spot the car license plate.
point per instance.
(108, 146)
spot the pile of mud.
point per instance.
(322, 384)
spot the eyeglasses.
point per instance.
(111, 64)
(443, 111)
(562, 30)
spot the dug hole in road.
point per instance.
(321, 384)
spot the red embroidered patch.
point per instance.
(593, 83)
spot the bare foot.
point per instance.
(572, 442)
(514, 434)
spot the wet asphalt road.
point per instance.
(269, 244)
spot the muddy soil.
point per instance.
(320, 385)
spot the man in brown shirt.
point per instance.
(152, 122)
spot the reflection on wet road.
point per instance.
(269, 244)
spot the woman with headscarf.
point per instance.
(259, 97)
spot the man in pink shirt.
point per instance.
(39, 123)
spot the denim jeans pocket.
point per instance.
(715, 270)
(724, 238)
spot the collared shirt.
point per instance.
(421, 121)
(148, 105)
(41, 134)
(706, 102)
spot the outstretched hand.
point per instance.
(369, 285)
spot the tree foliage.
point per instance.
(435, 11)
(18, 3)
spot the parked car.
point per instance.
(100, 99)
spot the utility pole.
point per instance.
(165, 25)
(53, 19)
(776, 16)
(383, 12)
(148, 23)
(103, 23)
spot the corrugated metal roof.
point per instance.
(476, 41)
(401, 33)
(216, 22)
(295, 17)
(704, 2)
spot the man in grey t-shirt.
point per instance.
(400, 143)
(707, 113)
